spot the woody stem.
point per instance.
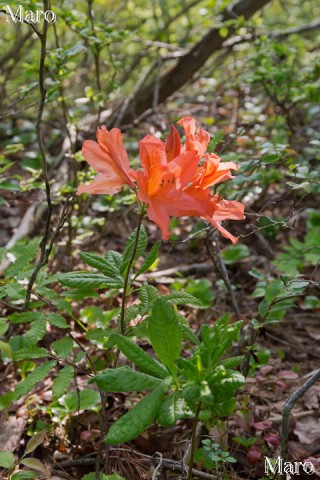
(126, 280)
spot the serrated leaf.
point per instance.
(115, 258)
(131, 313)
(274, 289)
(173, 408)
(124, 379)
(72, 51)
(24, 475)
(98, 334)
(148, 295)
(263, 308)
(165, 333)
(6, 348)
(182, 298)
(3, 326)
(37, 331)
(88, 399)
(63, 347)
(130, 425)
(232, 362)
(105, 265)
(62, 382)
(6, 459)
(25, 317)
(30, 352)
(188, 334)
(24, 387)
(149, 260)
(139, 357)
(24, 254)
(35, 464)
(88, 280)
(57, 320)
(141, 247)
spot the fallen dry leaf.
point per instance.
(10, 433)
(307, 430)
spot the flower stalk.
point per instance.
(127, 276)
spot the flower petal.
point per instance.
(158, 214)
(100, 160)
(189, 126)
(222, 230)
(103, 184)
(173, 144)
(184, 168)
(227, 209)
(112, 142)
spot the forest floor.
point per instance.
(286, 356)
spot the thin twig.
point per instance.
(44, 164)
(167, 463)
(193, 441)
(158, 467)
(126, 280)
(217, 260)
(286, 413)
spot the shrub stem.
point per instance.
(127, 277)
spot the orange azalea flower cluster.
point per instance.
(173, 181)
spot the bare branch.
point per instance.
(43, 244)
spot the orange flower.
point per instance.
(110, 159)
(175, 186)
(171, 182)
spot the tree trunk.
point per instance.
(185, 68)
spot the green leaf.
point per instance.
(149, 260)
(57, 320)
(201, 289)
(63, 347)
(37, 331)
(235, 253)
(131, 313)
(6, 348)
(24, 475)
(24, 254)
(25, 317)
(130, 425)
(188, 333)
(124, 379)
(98, 334)
(148, 295)
(105, 265)
(72, 51)
(30, 352)
(35, 441)
(35, 464)
(165, 333)
(6, 459)
(274, 289)
(3, 326)
(182, 298)
(62, 382)
(89, 399)
(232, 362)
(114, 258)
(173, 408)
(24, 387)
(141, 247)
(139, 357)
(88, 280)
